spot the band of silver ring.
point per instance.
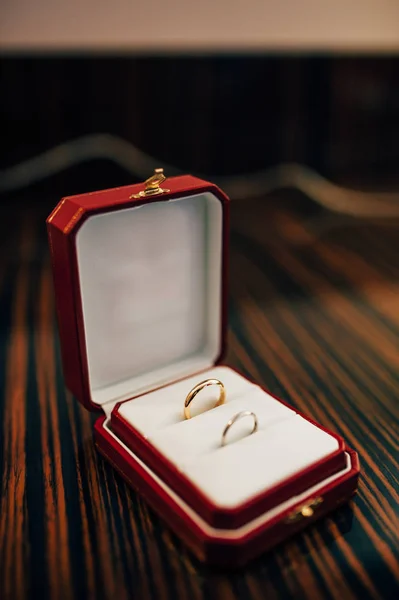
(235, 418)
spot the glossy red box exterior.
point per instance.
(208, 544)
(213, 548)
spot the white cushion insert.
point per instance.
(249, 464)
(238, 471)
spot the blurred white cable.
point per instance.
(104, 146)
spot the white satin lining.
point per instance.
(150, 280)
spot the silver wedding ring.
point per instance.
(240, 415)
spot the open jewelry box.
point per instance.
(140, 277)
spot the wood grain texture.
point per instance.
(314, 317)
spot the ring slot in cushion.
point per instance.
(184, 441)
(164, 407)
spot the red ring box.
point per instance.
(141, 296)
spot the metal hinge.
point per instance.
(152, 185)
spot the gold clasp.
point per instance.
(152, 185)
(304, 511)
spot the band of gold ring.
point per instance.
(200, 386)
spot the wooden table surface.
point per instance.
(314, 317)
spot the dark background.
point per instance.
(313, 312)
(205, 115)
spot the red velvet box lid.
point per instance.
(80, 306)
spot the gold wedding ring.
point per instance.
(196, 390)
(239, 415)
